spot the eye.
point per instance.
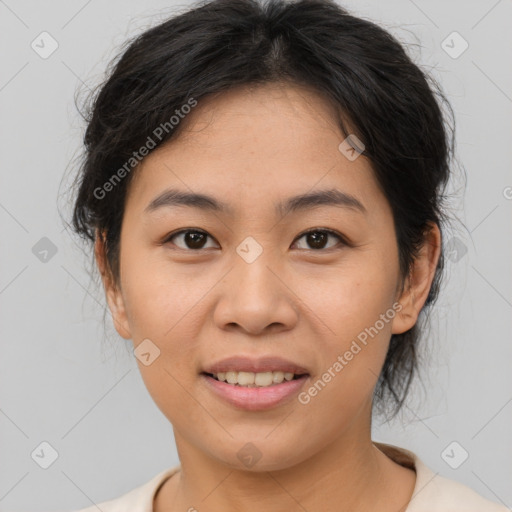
(192, 238)
(317, 238)
(195, 239)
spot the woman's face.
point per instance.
(255, 284)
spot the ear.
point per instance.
(419, 281)
(112, 291)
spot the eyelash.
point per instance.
(331, 232)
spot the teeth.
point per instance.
(250, 379)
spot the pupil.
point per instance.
(314, 237)
(191, 239)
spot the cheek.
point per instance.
(353, 296)
(356, 310)
(158, 298)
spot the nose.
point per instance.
(256, 298)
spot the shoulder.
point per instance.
(139, 499)
(445, 495)
(435, 493)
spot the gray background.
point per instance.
(64, 382)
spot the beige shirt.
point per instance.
(432, 493)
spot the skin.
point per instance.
(251, 148)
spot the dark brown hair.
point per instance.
(391, 104)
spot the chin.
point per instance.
(260, 455)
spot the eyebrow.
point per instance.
(328, 197)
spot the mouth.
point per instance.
(255, 392)
(254, 384)
(253, 379)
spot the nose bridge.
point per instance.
(254, 297)
(252, 270)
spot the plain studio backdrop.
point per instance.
(77, 424)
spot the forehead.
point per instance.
(253, 143)
(230, 116)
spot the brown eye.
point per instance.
(318, 238)
(190, 239)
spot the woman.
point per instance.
(263, 187)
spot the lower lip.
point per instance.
(256, 398)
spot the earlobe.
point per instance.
(404, 319)
(113, 294)
(419, 281)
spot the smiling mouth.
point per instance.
(254, 380)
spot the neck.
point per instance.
(349, 475)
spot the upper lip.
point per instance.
(255, 365)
